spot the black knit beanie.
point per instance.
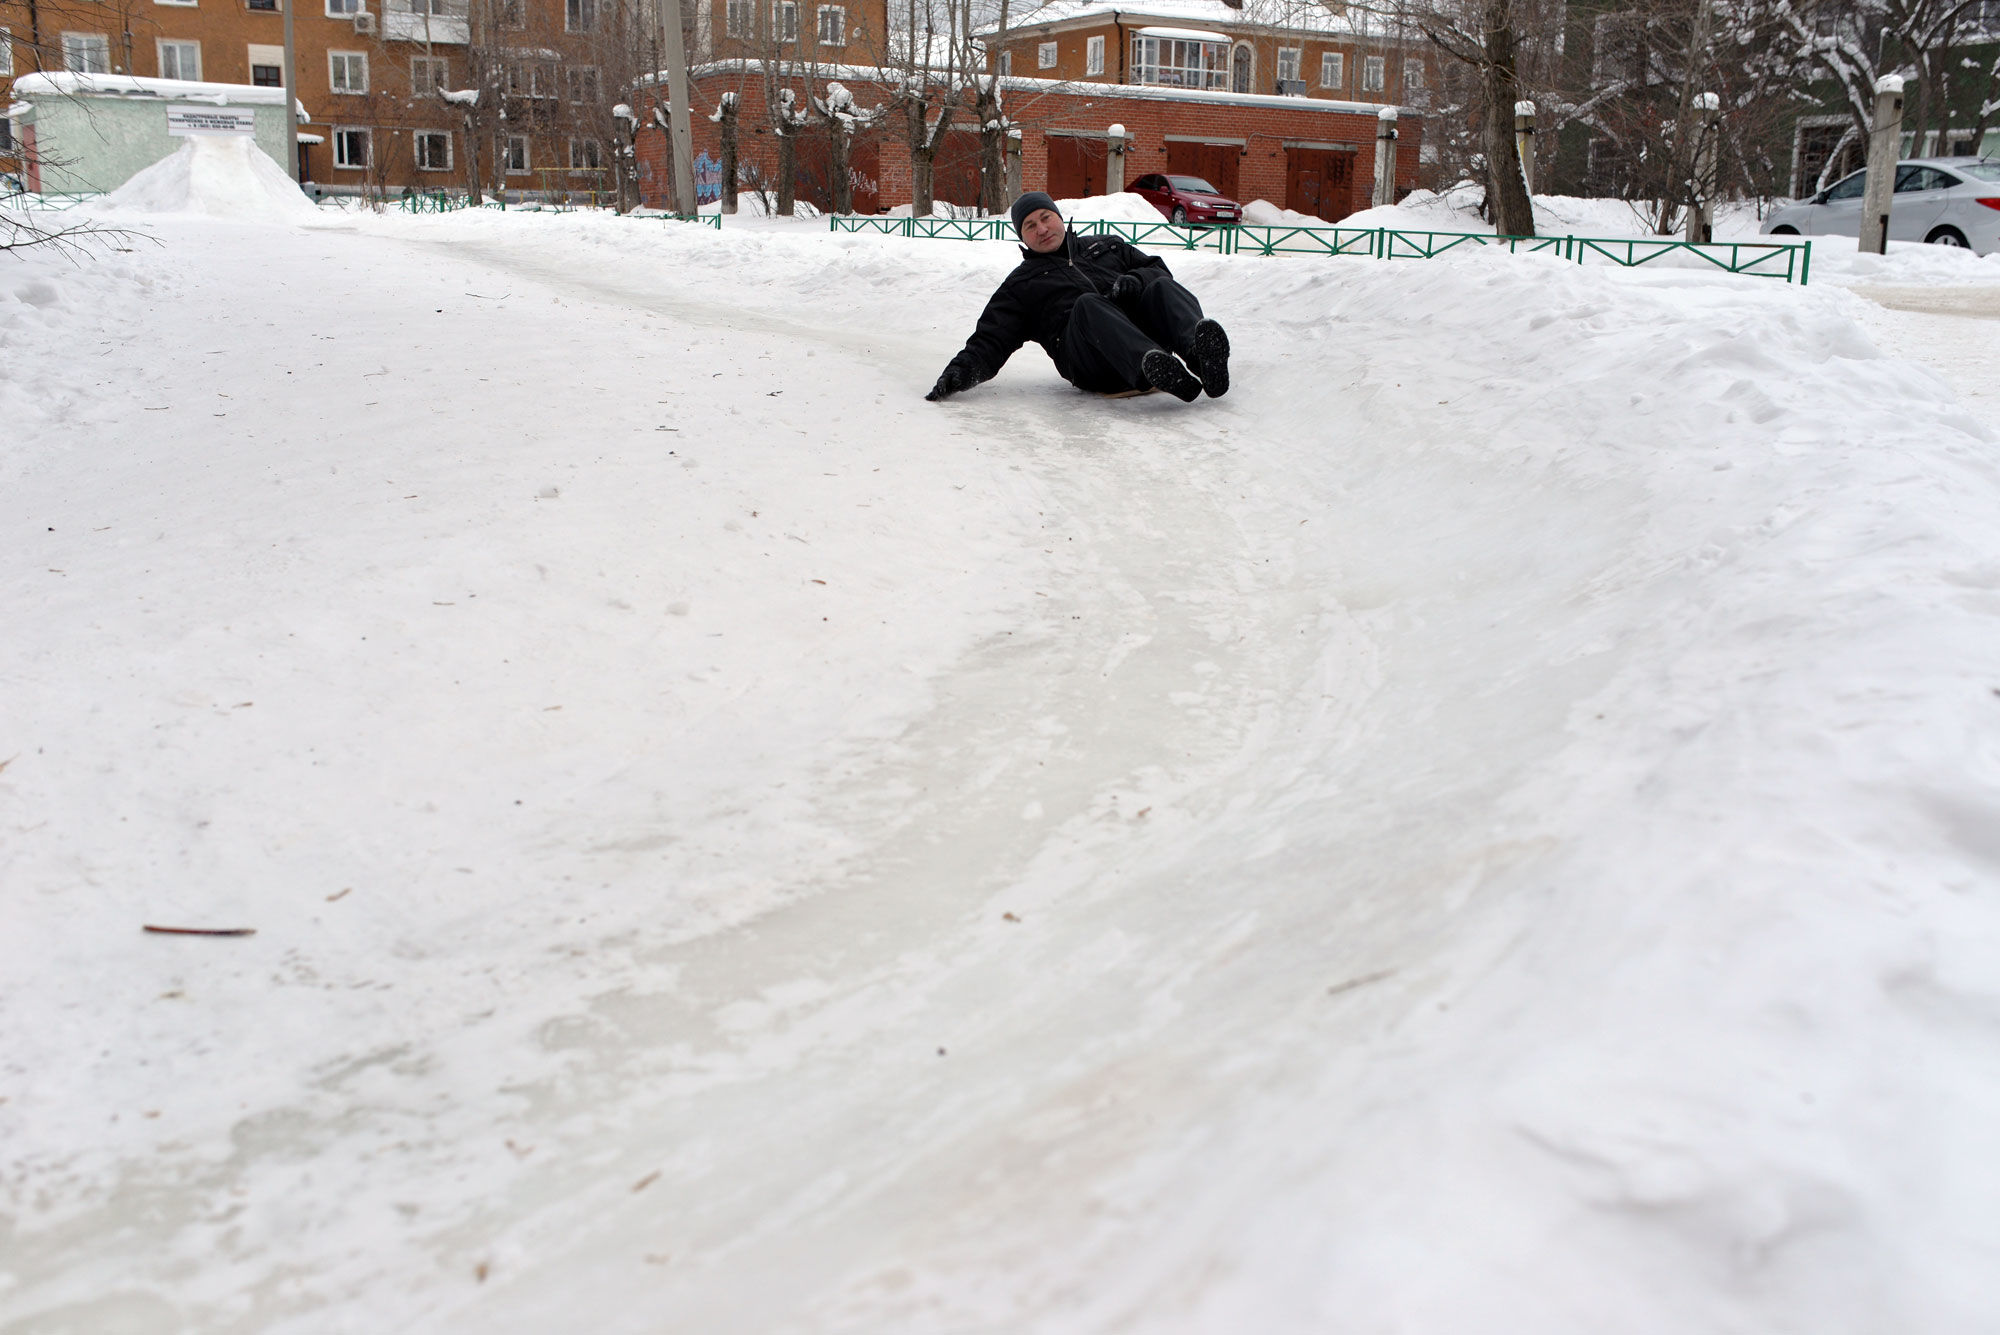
(1027, 204)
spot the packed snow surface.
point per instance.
(223, 176)
(1492, 826)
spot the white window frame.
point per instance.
(577, 143)
(1093, 56)
(579, 15)
(1173, 62)
(830, 24)
(1374, 73)
(367, 147)
(417, 141)
(739, 18)
(785, 22)
(179, 4)
(6, 54)
(335, 61)
(1290, 59)
(507, 150)
(582, 85)
(1045, 56)
(74, 43)
(1413, 76)
(342, 9)
(180, 47)
(1006, 64)
(1332, 69)
(437, 65)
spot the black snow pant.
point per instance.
(1105, 342)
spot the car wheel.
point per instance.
(1179, 216)
(1784, 231)
(1947, 236)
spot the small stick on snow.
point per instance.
(202, 931)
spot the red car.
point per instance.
(1187, 199)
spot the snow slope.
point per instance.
(1490, 826)
(223, 176)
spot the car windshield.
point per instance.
(1194, 185)
(1982, 171)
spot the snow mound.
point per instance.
(222, 177)
(1121, 207)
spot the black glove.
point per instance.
(1125, 287)
(954, 379)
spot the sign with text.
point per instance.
(210, 120)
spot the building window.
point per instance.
(267, 76)
(511, 13)
(579, 15)
(1093, 56)
(433, 150)
(582, 81)
(738, 17)
(1332, 70)
(342, 9)
(1045, 56)
(1373, 70)
(833, 25)
(517, 155)
(180, 60)
(583, 155)
(6, 62)
(1288, 64)
(347, 71)
(785, 21)
(1006, 63)
(188, 3)
(350, 148)
(86, 53)
(267, 6)
(1413, 77)
(1179, 63)
(428, 73)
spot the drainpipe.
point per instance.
(1118, 36)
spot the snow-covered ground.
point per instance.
(1492, 826)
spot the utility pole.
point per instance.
(1885, 142)
(291, 98)
(679, 133)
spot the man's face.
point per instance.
(1042, 231)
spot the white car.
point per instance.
(1945, 201)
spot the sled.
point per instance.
(1127, 393)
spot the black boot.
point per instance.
(1163, 370)
(1208, 350)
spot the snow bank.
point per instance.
(1122, 207)
(1505, 795)
(222, 176)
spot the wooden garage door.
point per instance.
(1320, 181)
(1076, 166)
(814, 182)
(1214, 163)
(955, 172)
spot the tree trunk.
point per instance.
(840, 144)
(788, 173)
(472, 163)
(923, 182)
(1513, 212)
(729, 154)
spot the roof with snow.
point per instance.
(1277, 15)
(61, 83)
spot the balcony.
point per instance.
(431, 22)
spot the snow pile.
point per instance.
(222, 176)
(1121, 207)
(1507, 794)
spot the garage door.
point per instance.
(1320, 182)
(1076, 166)
(1214, 163)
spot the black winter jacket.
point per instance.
(1034, 301)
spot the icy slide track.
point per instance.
(1485, 829)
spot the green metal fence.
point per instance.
(1787, 261)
